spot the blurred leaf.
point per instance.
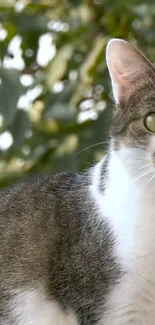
(7, 3)
(58, 65)
(10, 91)
(93, 59)
(31, 22)
(58, 107)
(75, 3)
(20, 128)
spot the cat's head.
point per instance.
(133, 83)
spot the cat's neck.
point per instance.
(109, 189)
(119, 176)
(126, 201)
(130, 213)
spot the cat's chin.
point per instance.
(132, 155)
(139, 163)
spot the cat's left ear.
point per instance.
(128, 68)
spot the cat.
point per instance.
(79, 249)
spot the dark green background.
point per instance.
(53, 134)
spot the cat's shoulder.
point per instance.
(42, 189)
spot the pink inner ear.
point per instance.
(118, 75)
(127, 66)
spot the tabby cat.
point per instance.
(80, 249)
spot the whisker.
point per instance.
(135, 161)
(148, 181)
(93, 145)
(144, 184)
(142, 167)
(152, 189)
(142, 174)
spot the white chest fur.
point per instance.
(31, 307)
(129, 205)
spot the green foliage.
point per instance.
(55, 97)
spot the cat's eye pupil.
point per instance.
(150, 122)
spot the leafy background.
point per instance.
(55, 97)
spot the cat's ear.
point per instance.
(127, 67)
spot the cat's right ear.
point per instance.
(127, 67)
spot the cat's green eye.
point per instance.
(150, 122)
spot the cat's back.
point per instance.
(39, 198)
(54, 245)
(34, 230)
(33, 215)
